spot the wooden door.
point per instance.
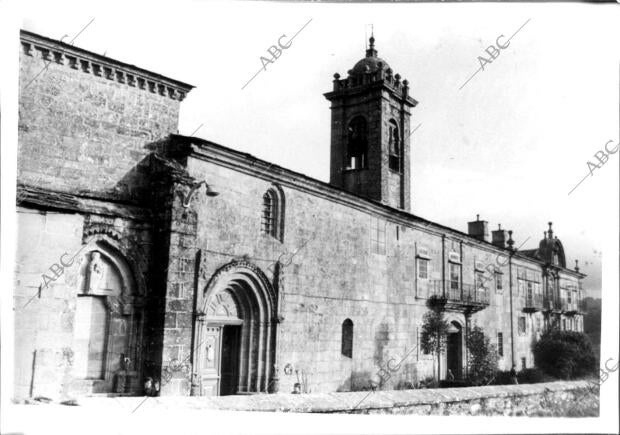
(454, 354)
(229, 367)
(210, 360)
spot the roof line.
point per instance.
(404, 214)
(37, 38)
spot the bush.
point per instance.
(502, 377)
(428, 382)
(533, 376)
(527, 376)
(564, 354)
(482, 357)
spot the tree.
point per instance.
(592, 323)
(564, 354)
(483, 357)
(434, 330)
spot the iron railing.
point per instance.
(457, 292)
(534, 301)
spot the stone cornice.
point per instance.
(101, 66)
(344, 91)
(41, 198)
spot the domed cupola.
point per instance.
(550, 249)
(371, 63)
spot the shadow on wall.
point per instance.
(382, 338)
(358, 381)
(404, 379)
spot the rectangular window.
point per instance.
(498, 283)
(455, 276)
(523, 363)
(522, 328)
(521, 285)
(564, 324)
(500, 344)
(422, 268)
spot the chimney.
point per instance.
(478, 229)
(499, 237)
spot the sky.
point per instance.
(509, 145)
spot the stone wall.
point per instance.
(86, 123)
(52, 254)
(337, 267)
(553, 399)
(342, 262)
(85, 120)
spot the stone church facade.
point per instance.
(147, 255)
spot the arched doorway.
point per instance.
(107, 324)
(235, 332)
(455, 350)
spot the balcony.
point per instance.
(552, 304)
(459, 297)
(571, 308)
(533, 303)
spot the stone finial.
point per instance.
(371, 52)
(510, 242)
(550, 232)
(576, 265)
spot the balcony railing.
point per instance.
(430, 287)
(533, 302)
(572, 307)
(457, 295)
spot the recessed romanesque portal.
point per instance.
(236, 332)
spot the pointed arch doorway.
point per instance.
(235, 332)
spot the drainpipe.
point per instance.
(467, 319)
(196, 324)
(443, 265)
(512, 332)
(443, 285)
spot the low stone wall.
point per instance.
(553, 399)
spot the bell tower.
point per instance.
(370, 128)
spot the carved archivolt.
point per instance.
(107, 240)
(240, 293)
(242, 270)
